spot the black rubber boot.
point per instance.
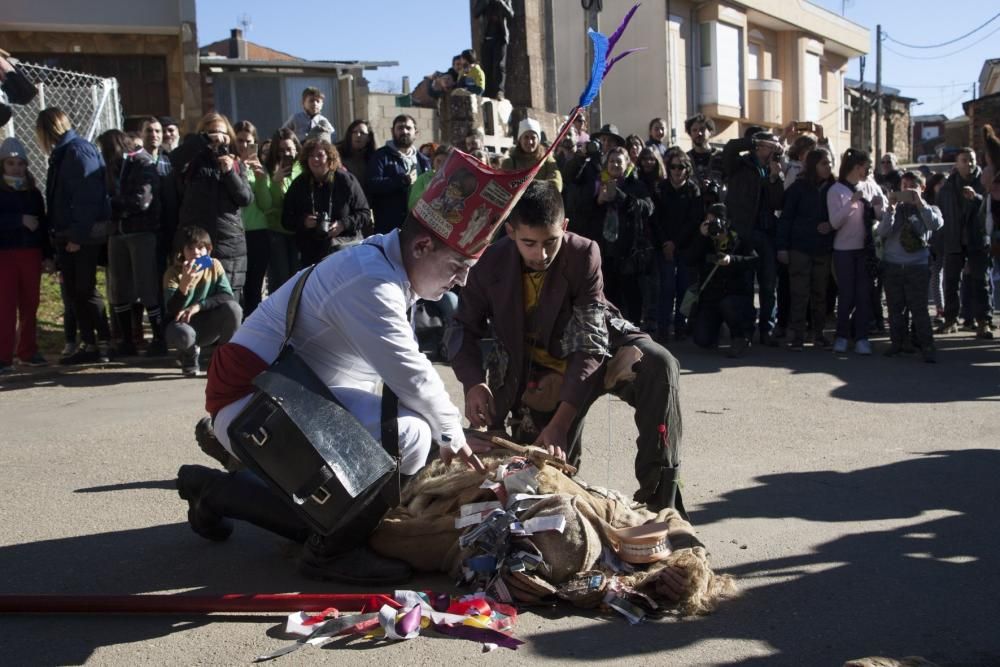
(214, 497)
(204, 434)
(344, 556)
(123, 317)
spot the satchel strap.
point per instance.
(293, 305)
(390, 402)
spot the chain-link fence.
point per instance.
(91, 102)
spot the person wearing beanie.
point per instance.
(24, 249)
(529, 151)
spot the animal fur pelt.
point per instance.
(421, 531)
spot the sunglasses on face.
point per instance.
(677, 167)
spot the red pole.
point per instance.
(192, 604)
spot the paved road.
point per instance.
(854, 499)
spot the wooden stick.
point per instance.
(192, 604)
(535, 453)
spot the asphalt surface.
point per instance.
(854, 500)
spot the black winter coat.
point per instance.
(212, 200)
(751, 197)
(802, 211)
(634, 207)
(340, 197)
(736, 278)
(679, 212)
(960, 213)
(135, 194)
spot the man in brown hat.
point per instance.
(559, 345)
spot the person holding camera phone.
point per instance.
(854, 203)
(325, 206)
(200, 304)
(725, 262)
(213, 187)
(906, 227)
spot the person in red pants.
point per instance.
(23, 245)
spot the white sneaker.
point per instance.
(862, 346)
(840, 346)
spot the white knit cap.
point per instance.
(529, 125)
(12, 147)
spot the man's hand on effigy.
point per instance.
(479, 406)
(466, 454)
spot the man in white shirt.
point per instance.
(353, 332)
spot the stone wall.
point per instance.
(982, 111)
(381, 109)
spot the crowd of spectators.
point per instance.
(767, 237)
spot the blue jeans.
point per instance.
(673, 283)
(767, 278)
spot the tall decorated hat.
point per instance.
(467, 200)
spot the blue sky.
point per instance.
(423, 37)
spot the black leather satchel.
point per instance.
(297, 437)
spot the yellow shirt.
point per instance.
(533, 282)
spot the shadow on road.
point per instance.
(93, 376)
(966, 370)
(927, 588)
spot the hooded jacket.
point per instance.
(76, 191)
(389, 186)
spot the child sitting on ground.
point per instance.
(310, 118)
(200, 303)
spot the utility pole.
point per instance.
(878, 94)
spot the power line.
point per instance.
(937, 87)
(952, 103)
(946, 55)
(950, 41)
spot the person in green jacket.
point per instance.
(529, 150)
(282, 167)
(254, 218)
(423, 180)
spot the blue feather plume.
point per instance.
(597, 68)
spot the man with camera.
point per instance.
(213, 187)
(725, 262)
(755, 191)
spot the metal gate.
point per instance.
(91, 102)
